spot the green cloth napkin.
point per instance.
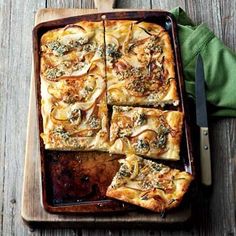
(219, 64)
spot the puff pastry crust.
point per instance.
(140, 64)
(146, 131)
(148, 184)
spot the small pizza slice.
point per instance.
(74, 50)
(148, 184)
(74, 113)
(146, 131)
(139, 64)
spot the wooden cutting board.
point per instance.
(32, 211)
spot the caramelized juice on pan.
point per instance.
(76, 177)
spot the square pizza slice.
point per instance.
(74, 112)
(148, 184)
(74, 50)
(139, 64)
(146, 131)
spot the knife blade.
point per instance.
(202, 122)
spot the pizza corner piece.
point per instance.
(140, 64)
(74, 50)
(146, 131)
(73, 88)
(148, 184)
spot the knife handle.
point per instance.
(205, 157)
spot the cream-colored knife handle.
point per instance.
(104, 5)
(205, 157)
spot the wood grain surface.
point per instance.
(215, 214)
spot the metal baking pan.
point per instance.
(75, 182)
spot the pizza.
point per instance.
(73, 88)
(74, 113)
(74, 50)
(146, 131)
(148, 184)
(139, 64)
(128, 67)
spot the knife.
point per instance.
(201, 120)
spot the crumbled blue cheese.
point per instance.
(94, 122)
(86, 91)
(161, 139)
(78, 42)
(61, 133)
(142, 146)
(89, 47)
(57, 48)
(75, 116)
(139, 119)
(112, 53)
(53, 73)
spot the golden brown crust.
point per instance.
(140, 64)
(165, 191)
(146, 131)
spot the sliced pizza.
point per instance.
(73, 88)
(148, 184)
(74, 50)
(146, 131)
(139, 64)
(74, 112)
